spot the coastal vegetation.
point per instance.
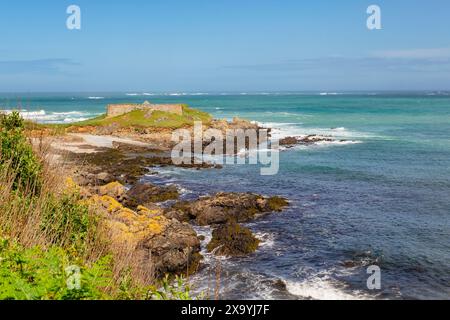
(153, 119)
(46, 228)
(80, 223)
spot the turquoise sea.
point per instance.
(380, 198)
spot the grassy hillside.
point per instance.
(156, 119)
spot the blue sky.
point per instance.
(224, 45)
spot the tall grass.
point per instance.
(45, 227)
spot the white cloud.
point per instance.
(432, 53)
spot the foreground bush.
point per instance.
(16, 152)
(52, 245)
(52, 274)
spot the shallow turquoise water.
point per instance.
(382, 199)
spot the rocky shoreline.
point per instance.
(149, 220)
(107, 163)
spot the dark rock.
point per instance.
(147, 194)
(179, 211)
(232, 239)
(133, 148)
(104, 177)
(349, 264)
(222, 207)
(307, 140)
(176, 250)
(311, 139)
(289, 141)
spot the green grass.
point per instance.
(144, 119)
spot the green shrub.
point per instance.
(37, 274)
(17, 153)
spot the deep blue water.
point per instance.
(383, 198)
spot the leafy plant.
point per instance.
(168, 291)
(17, 153)
(38, 274)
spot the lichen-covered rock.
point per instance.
(222, 207)
(176, 250)
(162, 245)
(114, 189)
(232, 239)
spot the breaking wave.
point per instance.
(43, 116)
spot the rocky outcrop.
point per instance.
(232, 239)
(162, 245)
(223, 207)
(237, 123)
(114, 189)
(176, 250)
(147, 194)
(111, 165)
(289, 141)
(305, 140)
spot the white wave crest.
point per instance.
(322, 287)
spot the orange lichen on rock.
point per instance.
(127, 225)
(114, 189)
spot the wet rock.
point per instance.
(232, 239)
(222, 207)
(148, 194)
(349, 264)
(115, 165)
(289, 141)
(311, 139)
(306, 140)
(276, 204)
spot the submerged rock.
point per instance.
(222, 207)
(232, 239)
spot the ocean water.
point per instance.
(381, 198)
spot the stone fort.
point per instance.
(114, 110)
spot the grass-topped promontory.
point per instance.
(146, 119)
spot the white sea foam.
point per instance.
(43, 116)
(96, 98)
(267, 239)
(322, 287)
(330, 93)
(283, 130)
